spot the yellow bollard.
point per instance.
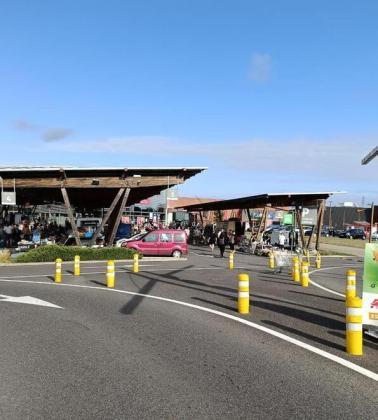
(110, 275)
(231, 261)
(295, 270)
(136, 263)
(271, 260)
(304, 276)
(318, 260)
(350, 284)
(58, 270)
(77, 265)
(354, 337)
(243, 294)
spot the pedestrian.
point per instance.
(231, 240)
(222, 243)
(212, 240)
(8, 230)
(281, 240)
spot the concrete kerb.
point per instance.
(154, 259)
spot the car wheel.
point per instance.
(176, 253)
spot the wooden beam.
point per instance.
(320, 224)
(118, 217)
(71, 216)
(98, 182)
(262, 224)
(299, 222)
(107, 215)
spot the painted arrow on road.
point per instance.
(28, 300)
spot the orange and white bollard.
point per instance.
(231, 261)
(350, 291)
(136, 263)
(243, 293)
(110, 274)
(304, 274)
(271, 262)
(295, 269)
(58, 270)
(77, 265)
(354, 334)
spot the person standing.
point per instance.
(8, 230)
(222, 243)
(212, 240)
(231, 240)
(281, 240)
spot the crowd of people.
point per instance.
(35, 231)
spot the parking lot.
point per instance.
(168, 342)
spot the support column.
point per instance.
(298, 212)
(319, 224)
(106, 216)
(262, 223)
(71, 216)
(117, 219)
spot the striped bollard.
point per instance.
(136, 263)
(77, 265)
(110, 275)
(295, 271)
(350, 291)
(271, 260)
(231, 261)
(354, 337)
(243, 294)
(304, 274)
(58, 270)
(318, 260)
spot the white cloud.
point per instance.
(24, 125)
(332, 160)
(261, 67)
(54, 134)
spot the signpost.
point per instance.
(370, 287)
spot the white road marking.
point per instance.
(28, 300)
(326, 288)
(313, 349)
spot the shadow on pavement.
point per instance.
(368, 341)
(310, 337)
(299, 304)
(101, 283)
(318, 296)
(301, 315)
(220, 305)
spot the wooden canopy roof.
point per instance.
(263, 200)
(90, 187)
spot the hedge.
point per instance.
(49, 253)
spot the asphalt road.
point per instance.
(112, 354)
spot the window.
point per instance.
(166, 237)
(180, 237)
(152, 237)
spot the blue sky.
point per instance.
(270, 95)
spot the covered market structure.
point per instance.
(274, 201)
(88, 188)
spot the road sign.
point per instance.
(309, 216)
(28, 300)
(8, 198)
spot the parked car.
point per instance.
(164, 242)
(355, 234)
(374, 236)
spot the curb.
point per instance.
(157, 259)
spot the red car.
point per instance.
(164, 242)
